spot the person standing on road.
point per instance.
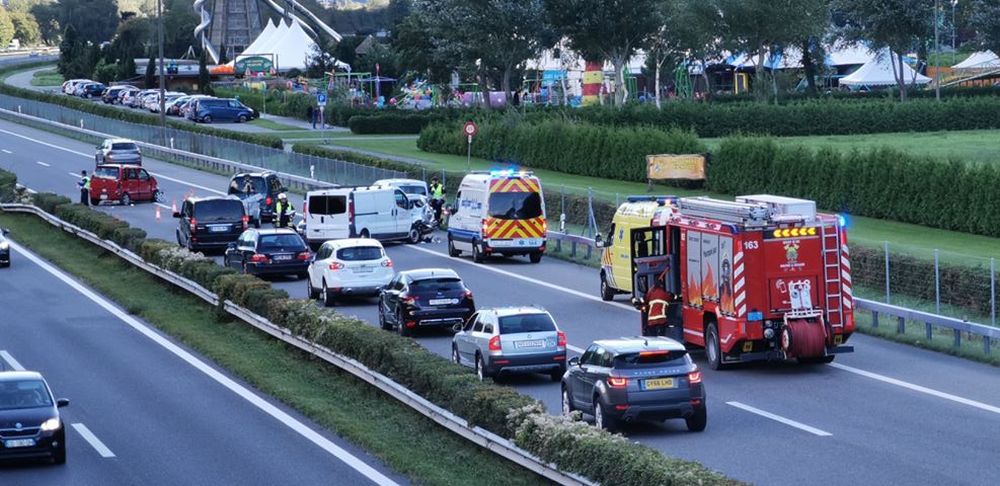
(283, 211)
(657, 304)
(84, 188)
(437, 197)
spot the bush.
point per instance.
(8, 183)
(390, 123)
(48, 202)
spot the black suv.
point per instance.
(4, 248)
(259, 192)
(434, 297)
(210, 222)
(269, 252)
(632, 379)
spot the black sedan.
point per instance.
(30, 426)
(434, 297)
(4, 248)
(269, 252)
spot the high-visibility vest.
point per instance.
(282, 206)
(657, 302)
(86, 183)
(437, 191)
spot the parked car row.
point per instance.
(198, 108)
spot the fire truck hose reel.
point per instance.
(803, 339)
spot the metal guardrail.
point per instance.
(481, 437)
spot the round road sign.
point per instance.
(470, 129)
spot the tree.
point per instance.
(47, 16)
(984, 18)
(6, 28)
(318, 63)
(179, 21)
(25, 28)
(94, 20)
(105, 72)
(896, 25)
(606, 30)
(129, 43)
(72, 56)
(204, 77)
(149, 79)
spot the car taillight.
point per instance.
(410, 300)
(561, 339)
(304, 255)
(545, 227)
(486, 228)
(194, 224)
(258, 258)
(694, 377)
(617, 381)
(268, 201)
(336, 266)
(246, 221)
(495, 344)
(387, 263)
(468, 294)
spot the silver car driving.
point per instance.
(511, 340)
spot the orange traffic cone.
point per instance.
(157, 213)
(173, 207)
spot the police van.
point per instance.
(498, 213)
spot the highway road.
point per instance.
(146, 410)
(887, 414)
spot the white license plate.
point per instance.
(364, 269)
(281, 258)
(10, 444)
(104, 196)
(218, 229)
(443, 301)
(529, 344)
(516, 243)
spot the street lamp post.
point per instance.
(163, 81)
(937, 48)
(954, 29)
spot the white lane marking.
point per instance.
(574, 349)
(64, 149)
(71, 174)
(43, 164)
(93, 440)
(164, 206)
(7, 151)
(917, 388)
(243, 392)
(11, 361)
(779, 418)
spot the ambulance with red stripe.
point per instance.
(498, 213)
(760, 278)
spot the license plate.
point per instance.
(104, 196)
(279, 258)
(218, 229)
(659, 384)
(364, 269)
(529, 344)
(443, 301)
(10, 444)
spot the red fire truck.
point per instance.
(760, 278)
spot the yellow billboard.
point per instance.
(664, 167)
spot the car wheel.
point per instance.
(126, 200)
(452, 251)
(381, 317)
(477, 255)
(607, 293)
(178, 234)
(310, 291)
(712, 350)
(455, 356)
(481, 368)
(401, 324)
(242, 119)
(414, 236)
(245, 269)
(601, 419)
(557, 375)
(328, 298)
(698, 421)
(95, 202)
(59, 457)
(535, 257)
(567, 404)
(365, 233)
(207, 119)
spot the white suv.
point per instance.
(353, 266)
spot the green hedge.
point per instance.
(8, 181)
(572, 148)
(880, 183)
(389, 123)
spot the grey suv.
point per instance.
(118, 151)
(632, 379)
(510, 340)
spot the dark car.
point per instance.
(4, 248)
(259, 192)
(221, 109)
(269, 252)
(434, 297)
(210, 222)
(632, 379)
(92, 90)
(30, 426)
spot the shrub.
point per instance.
(48, 202)
(390, 123)
(8, 183)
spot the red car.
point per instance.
(122, 183)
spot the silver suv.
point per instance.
(118, 151)
(511, 340)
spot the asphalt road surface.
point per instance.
(886, 414)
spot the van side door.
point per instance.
(401, 212)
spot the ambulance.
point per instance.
(498, 213)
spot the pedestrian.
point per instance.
(311, 113)
(657, 307)
(84, 188)
(283, 211)
(437, 197)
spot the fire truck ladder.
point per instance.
(725, 211)
(833, 285)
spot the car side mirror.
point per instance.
(574, 361)
(62, 402)
(598, 241)
(177, 214)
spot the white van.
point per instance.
(417, 192)
(383, 213)
(498, 213)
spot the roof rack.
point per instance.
(748, 214)
(650, 198)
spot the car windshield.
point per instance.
(515, 205)
(218, 210)
(247, 186)
(526, 323)
(359, 253)
(649, 359)
(443, 284)
(413, 189)
(124, 146)
(281, 242)
(106, 172)
(24, 394)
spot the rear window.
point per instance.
(124, 146)
(526, 323)
(218, 210)
(515, 205)
(327, 205)
(245, 186)
(359, 253)
(106, 172)
(651, 359)
(413, 189)
(280, 242)
(444, 284)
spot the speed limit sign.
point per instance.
(470, 129)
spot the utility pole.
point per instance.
(937, 48)
(163, 80)
(954, 29)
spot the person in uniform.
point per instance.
(283, 211)
(84, 188)
(657, 306)
(437, 197)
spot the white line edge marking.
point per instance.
(93, 440)
(71, 174)
(574, 349)
(164, 206)
(7, 151)
(64, 149)
(11, 361)
(917, 388)
(223, 380)
(779, 418)
(43, 164)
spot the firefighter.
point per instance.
(283, 211)
(657, 308)
(437, 197)
(84, 188)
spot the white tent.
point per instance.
(292, 49)
(879, 72)
(263, 39)
(979, 60)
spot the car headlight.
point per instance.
(51, 424)
(4, 245)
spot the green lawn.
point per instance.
(273, 125)
(902, 237)
(48, 77)
(967, 146)
(408, 442)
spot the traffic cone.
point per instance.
(157, 213)
(173, 207)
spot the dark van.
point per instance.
(208, 110)
(259, 192)
(210, 222)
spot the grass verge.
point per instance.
(48, 77)
(272, 125)
(408, 442)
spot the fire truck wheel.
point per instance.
(607, 293)
(712, 350)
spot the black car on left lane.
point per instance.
(30, 426)
(269, 252)
(4, 248)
